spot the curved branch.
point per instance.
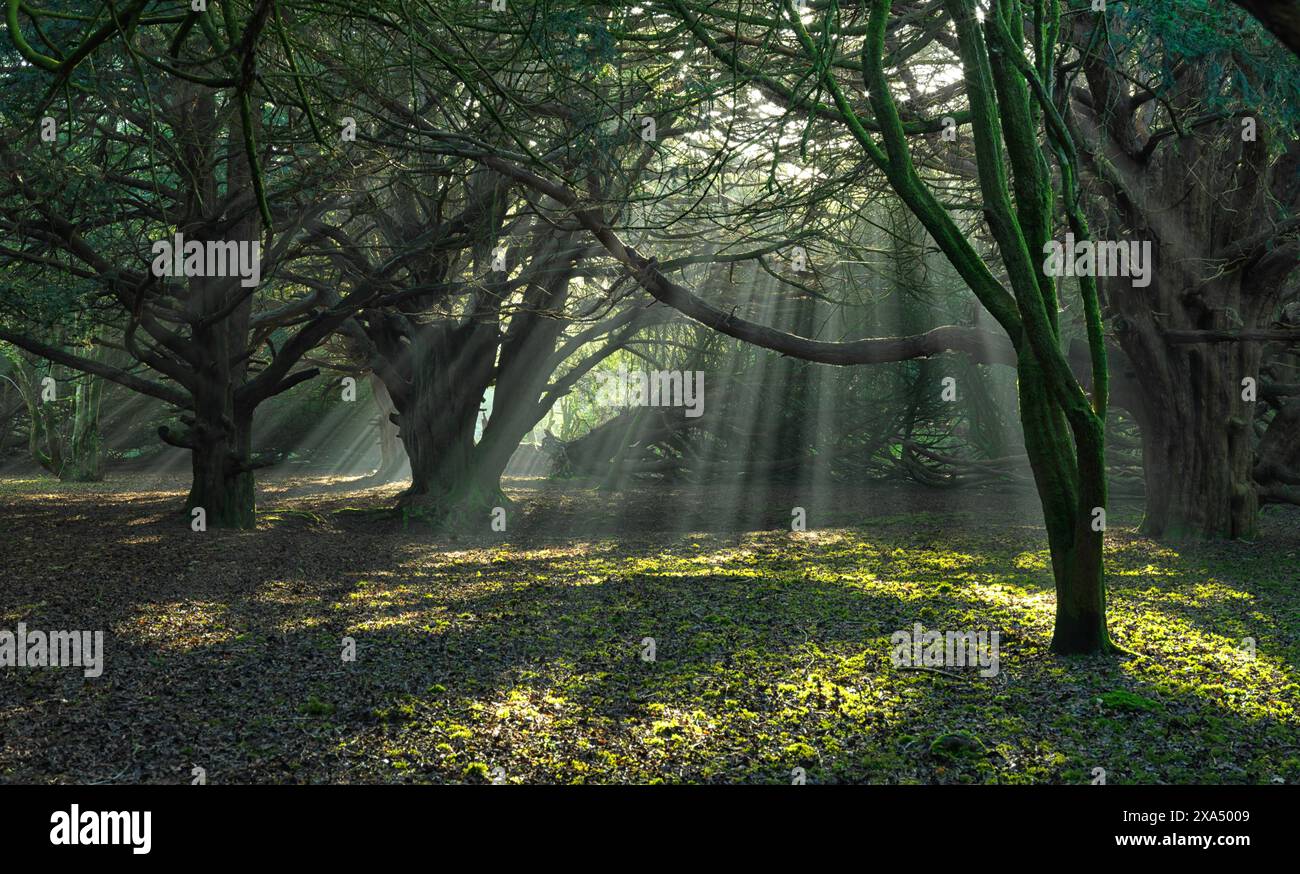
(982, 346)
(85, 365)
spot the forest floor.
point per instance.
(520, 656)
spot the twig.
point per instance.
(931, 671)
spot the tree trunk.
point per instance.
(1069, 473)
(392, 458)
(84, 461)
(1198, 477)
(43, 435)
(439, 450)
(1080, 594)
(223, 483)
(1205, 202)
(1196, 434)
(445, 484)
(438, 410)
(502, 435)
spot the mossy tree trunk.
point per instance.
(1010, 102)
(1012, 114)
(85, 461)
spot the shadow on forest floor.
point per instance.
(522, 651)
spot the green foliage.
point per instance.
(1124, 700)
(576, 40)
(956, 745)
(316, 707)
(1246, 68)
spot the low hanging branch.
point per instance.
(87, 365)
(1261, 335)
(983, 347)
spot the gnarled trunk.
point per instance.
(438, 406)
(221, 458)
(1197, 439)
(1209, 203)
(1197, 458)
(439, 446)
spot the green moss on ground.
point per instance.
(771, 652)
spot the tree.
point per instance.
(1012, 112)
(179, 158)
(1180, 158)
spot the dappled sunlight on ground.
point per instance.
(528, 652)
(179, 626)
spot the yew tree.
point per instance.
(816, 63)
(127, 127)
(1186, 123)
